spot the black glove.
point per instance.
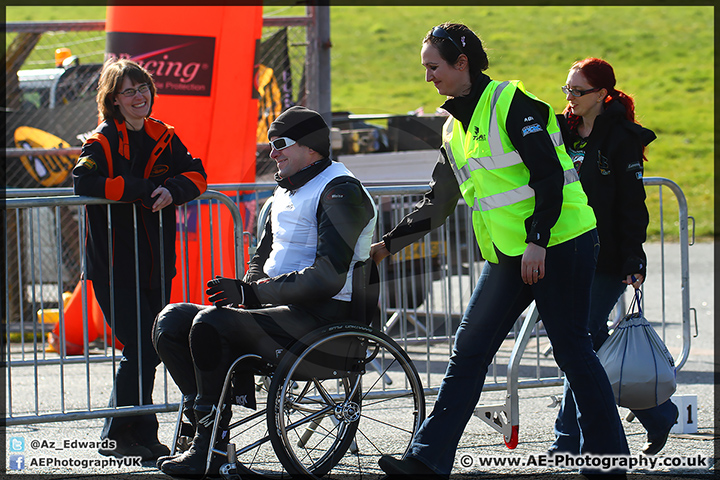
(229, 291)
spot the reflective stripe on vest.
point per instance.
(499, 159)
(495, 184)
(518, 194)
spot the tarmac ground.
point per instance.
(53, 450)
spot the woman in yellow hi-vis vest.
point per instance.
(503, 154)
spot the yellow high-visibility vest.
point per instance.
(494, 180)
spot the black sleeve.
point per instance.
(90, 178)
(631, 212)
(430, 212)
(191, 180)
(256, 265)
(343, 213)
(526, 127)
(91, 171)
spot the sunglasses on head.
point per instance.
(282, 142)
(439, 32)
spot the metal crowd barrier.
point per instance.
(425, 289)
(505, 417)
(42, 378)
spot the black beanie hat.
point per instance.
(305, 126)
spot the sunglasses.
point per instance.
(439, 32)
(282, 142)
(577, 93)
(130, 92)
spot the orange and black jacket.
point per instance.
(128, 168)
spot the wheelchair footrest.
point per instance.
(185, 437)
(228, 471)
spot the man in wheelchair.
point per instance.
(320, 225)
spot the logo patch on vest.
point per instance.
(477, 136)
(534, 128)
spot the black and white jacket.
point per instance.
(317, 229)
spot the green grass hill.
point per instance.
(663, 56)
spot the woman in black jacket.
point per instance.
(140, 162)
(607, 147)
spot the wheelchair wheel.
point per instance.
(338, 420)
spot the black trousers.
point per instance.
(135, 374)
(198, 343)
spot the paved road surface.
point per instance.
(537, 411)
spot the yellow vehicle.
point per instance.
(53, 108)
(48, 170)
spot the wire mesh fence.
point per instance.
(52, 76)
(51, 85)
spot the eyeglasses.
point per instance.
(130, 92)
(439, 32)
(282, 143)
(578, 93)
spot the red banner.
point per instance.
(202, 59)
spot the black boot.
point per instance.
(145, 433)
(124, 445)
(185, 435)
(191, 464)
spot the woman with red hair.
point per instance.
(607, 145)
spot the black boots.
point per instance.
(192, 463)
(407, 468)
(186, 433)
(124, 445)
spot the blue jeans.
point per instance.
(562, 298)
(605, 292)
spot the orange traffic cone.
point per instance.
(73, 321)
(102, 327)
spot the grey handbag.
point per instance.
(637, 362)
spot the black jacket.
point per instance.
(128, 168)
(612, 177)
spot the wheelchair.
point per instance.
(328, 406)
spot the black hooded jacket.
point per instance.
(612, 177)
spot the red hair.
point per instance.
(600, 74)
